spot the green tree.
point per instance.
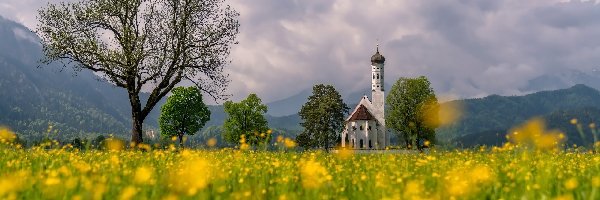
(149, 44)
(246, 119)
(322, 118)
(184, 113)
(412, 111)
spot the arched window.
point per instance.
(373, 76)
(361, 128)
(370, 145)
(361, 144)
(377, 76)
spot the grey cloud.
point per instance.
(468, 48)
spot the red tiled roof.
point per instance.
(361, 114)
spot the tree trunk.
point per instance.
(326, 142)
(136, 131)
(137, 118)
(180, 139)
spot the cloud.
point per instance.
(467, 48)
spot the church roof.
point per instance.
(361, 114)
(365, 104)
(377, 58)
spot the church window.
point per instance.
(370, 145)
(377, 76)
(369, 128)
(361, 144)
(373, 76)
(352, 144)
(353, 128)
(361, 128)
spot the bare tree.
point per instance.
(143, 44)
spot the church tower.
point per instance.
(377, 65)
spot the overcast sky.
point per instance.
(467, 48)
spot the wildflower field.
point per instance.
(39, 173)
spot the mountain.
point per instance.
(290, 105)
(563, 79)
(486, 120)
(74, 104)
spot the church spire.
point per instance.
(377, 58)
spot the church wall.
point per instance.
(354, 134)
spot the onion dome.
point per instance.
(377, 58)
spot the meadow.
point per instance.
(533, 165)
(64, 173)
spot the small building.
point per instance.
(365, 126)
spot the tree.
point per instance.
(143, 44)
(246, 119)
(184, 113)
(413, 110)
(322, 118)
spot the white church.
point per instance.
(365, 126)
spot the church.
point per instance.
(365, 126)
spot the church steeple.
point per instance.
(377, 63)
(377, 90)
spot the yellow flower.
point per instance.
(313, 174)
(114, 144)
(596, 181)
(6, 134)
(128, 193)
(481, 174)
(12, 183)
(211, 142)
(143, 175)
(533, 133)
(191, 176)
(571, 184)
(574, 121)
(289, 143)
(413, 189)
(564, 197)
(345, 153)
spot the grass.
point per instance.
(507, 173)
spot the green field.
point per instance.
(65, 173)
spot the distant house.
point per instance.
(365, 126)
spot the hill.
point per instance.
(486, 120)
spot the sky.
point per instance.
(467, 48)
